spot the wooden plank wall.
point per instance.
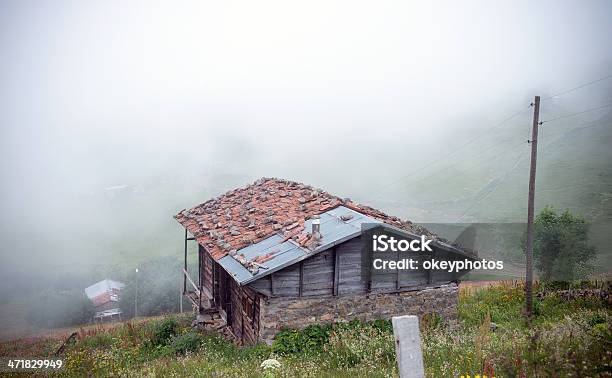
(337, 271)
(245, 313)
(350, 278)
(206, 269)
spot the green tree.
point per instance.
(561, 247)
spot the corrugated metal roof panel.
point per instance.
(287, 253)
(235, 269)
(261, 248)
(334, 230)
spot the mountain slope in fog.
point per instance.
(489, 182)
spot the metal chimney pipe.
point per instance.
(316, 228)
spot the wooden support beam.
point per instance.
(430, 271)
(200, 266)
(398, 283)
(200, 254)
(301, 285)
(336, 270)
(214, 283)
(369, 267)
(195, 287)
(185, 265)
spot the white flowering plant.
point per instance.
(270, 364)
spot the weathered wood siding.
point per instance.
(338, 271)
(239, 304)
(331, 273)
(244, 313)
(350, 280)
(206, 269)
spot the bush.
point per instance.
(562, 250)
(163, 331)
(187, 342)
(310, 339)
(313, 338)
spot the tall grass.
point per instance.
(568, 338)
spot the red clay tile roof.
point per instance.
(269, 206)
(107, 296)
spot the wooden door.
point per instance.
(225, 303)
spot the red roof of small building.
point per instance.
(269, 206)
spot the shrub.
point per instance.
(163, 331)
(187, 342)
(287, 341)
(562, 250)
(312, 339)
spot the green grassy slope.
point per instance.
(569, 337)
(488, 181)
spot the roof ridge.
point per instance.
(249, 214)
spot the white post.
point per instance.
(181, 299)
(408, 346)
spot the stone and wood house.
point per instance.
(278, 254)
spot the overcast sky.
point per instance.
(96, 94)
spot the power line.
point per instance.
(498, 181)
(485, 161)
(381, 188)
(574, 114)
(422, 168)
(501, 178)
(578, 87)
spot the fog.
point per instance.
(115, 115)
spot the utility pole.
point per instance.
(530, 210)
(136, 296)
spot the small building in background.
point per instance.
(105, 297)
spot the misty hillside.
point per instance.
(484, 183)
(490, 184)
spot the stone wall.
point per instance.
(277, 313)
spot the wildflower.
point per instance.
(270, 363)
